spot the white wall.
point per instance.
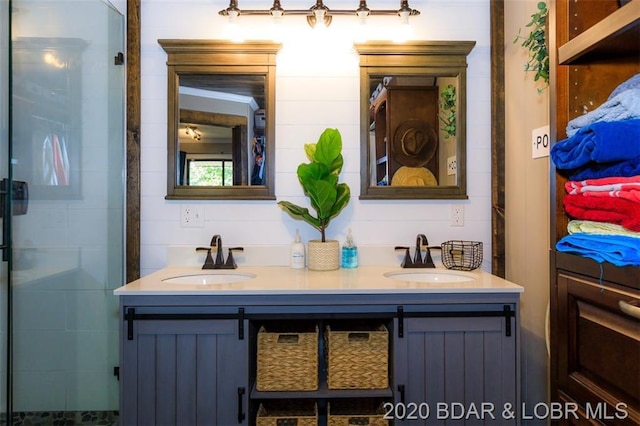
(317, 87)
(527, 202)
(314, 92)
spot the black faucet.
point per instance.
(418, 261)
(219, 263)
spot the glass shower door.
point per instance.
(67, 102)
(4, 171)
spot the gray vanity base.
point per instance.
(191, 360)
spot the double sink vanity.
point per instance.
(188, 345)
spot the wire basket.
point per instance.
(462, 255)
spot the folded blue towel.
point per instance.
(601, 142)
(625, 168)
(619, 250)
(623, 106)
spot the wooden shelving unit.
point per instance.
(595, 344)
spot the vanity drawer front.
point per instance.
(599, 351)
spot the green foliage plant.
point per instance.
(448, 106)
(535, 43)
(319, 180)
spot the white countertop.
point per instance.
(284, 280)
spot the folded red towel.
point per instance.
(604, 209)
(633, 195)
(615, 183)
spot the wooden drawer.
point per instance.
(599, 346)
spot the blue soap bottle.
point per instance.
(349, 253)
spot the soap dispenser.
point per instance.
(349, 253)
(296, 261)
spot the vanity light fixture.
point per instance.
(193, 132)
(319, 12)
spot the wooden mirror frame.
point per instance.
(186, 56)
(429, 58)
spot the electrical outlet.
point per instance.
(452, 165)
(457, 215)
(191, 216)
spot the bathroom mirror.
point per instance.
(221, 119)
(413, 119)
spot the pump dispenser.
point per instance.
(349, 253)
(296, 260)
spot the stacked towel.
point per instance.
(603, 184)
(600, 142)
(594, 170)
(617, 249)
(632, 83)
(601, 228)
(612, 210)
(621, 187)
(601, 157)
(624, 106)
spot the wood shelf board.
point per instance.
(323, 392)
(627, 276)
(616, 35)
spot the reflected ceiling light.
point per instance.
(193, 132)
(319, 12)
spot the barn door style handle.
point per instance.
(401, 390)
(4, 206)
(241, 416)
(630, 308)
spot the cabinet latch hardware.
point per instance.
(507, 318)
(241, 323)
(400, 310)
(129, 316)
(116, 372)
(241, 416)
(401, 391)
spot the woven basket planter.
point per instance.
(323, 256)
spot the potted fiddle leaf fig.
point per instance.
(319, 180)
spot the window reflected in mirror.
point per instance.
(413, 119)
(221, 134)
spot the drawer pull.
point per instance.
(630, 308)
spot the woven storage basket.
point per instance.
(323, 256)
(287, 413)
(355, 412)
(358, 358)
(287, 360)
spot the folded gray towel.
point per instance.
(632, 83)
(624, 106)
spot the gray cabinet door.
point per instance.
(184, 372)
(447, 369)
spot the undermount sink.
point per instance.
(430, 276)
(209, 278)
